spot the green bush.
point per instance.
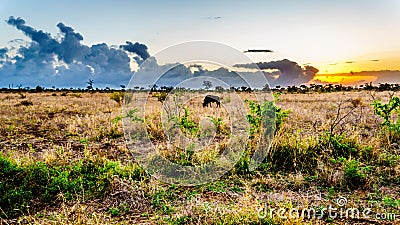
(266, 115)
(355, 175)
(24, 186)
(187, 125)
(390, 127)
(339, 145)
(117, 96)
(14, 192)
(385, 110)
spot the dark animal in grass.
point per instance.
(210, 99)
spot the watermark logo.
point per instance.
(187, 115)
(340, 211)
(341, 201)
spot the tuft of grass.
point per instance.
(26, 103)
(292, 153)
(162, 199)
(161, 96)
(219, 125)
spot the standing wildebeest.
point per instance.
(210, 99)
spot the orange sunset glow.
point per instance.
(343, 79)
(359, 71)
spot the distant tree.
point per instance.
(39, 88)
(219, 88)
(90, 84)
(167, 88)
(368, 86)
(207, 84)
(292, 89)
(266, 87)
(153, 87)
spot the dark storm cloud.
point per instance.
(3, 52)
(137, 48)
(289, 72)
(66, 61)
(3, 55)
(70, 47)
(35, 35)
(46, 42)
(199, 69)
(69, 31)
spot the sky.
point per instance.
(338, 38)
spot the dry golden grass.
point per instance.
(60, 130)
(61, 127)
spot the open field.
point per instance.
(63, 159)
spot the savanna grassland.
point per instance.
(64, 160)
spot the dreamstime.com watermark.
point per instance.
(340, 211)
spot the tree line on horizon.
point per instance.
(320, 88)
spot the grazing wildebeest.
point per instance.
(210, 99)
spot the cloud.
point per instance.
(258, 50)
(3, 52)
(358, 61)
(66, 61)
(289, 72)
(192, 76)
(214, 17)
(46, 42)
(70, 48)
(137, 48)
